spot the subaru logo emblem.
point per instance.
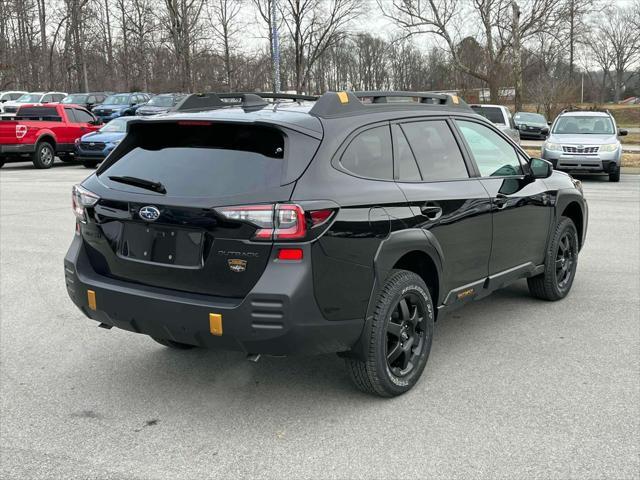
(580, 147)
(149, 213)
(92, 144)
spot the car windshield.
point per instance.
(523, 117)
(117, 100)
(30, 98)
(77, 99)
(162, 101)
(117, 125)
(584, 125)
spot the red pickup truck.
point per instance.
(40, 132)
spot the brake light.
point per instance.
(283, 221)
(21, 131)
(80, 199)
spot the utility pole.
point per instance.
(276, 46)
(582, 90)
(517, 54)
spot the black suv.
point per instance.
(347, 223)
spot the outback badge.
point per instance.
(237, 265)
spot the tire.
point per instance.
(561, 262)
(44, 156)
(174, 345)
(89, 164)
(401, 334)
(614, 176)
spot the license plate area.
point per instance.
(162, 245)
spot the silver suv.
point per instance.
(585, 141)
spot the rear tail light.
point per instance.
(21, 131)
(283, 221)
(80, 199)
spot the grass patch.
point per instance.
(628, 159)
(631, 139)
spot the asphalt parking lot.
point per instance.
(514, 387)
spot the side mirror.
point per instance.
(540, 168)
(544, 130)
(549, 123)
(622, 132)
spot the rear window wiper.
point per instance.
(140, 182)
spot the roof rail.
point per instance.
(210, 101)
(573, 108)
(334, 104)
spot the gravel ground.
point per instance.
(514, 388)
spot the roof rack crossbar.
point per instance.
(336, 104)
(211, 101)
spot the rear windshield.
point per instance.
(493, 114)
(203, 160)
(48, 113)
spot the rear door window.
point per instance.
(71, 115)
(82, 116)
(369, 154)
(436, 150)
(203, 160)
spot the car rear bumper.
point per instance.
(278, 317)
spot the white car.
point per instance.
(8, 96)
(11, 107)
(501, 117)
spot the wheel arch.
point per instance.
(574, 211)
(47, 137)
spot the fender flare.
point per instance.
(564, 199)
(392, 249)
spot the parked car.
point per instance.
(120, 105)
(86, 100)
(40, 132)
(94, 147)
(585, 142)
(162, 103)
(9, 96)
(531, 125)
(11, 107)
(334, 226)
(500, 116)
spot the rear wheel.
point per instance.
(560, 264)
(172, 344)
(44, 156)
(398, 342)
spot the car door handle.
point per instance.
(432, 212)
(501, 201)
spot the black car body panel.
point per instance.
(465, 236)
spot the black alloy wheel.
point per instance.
(405, 335)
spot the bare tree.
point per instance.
(493, 18)
(623, 36)
(225, 25)
(314, 26)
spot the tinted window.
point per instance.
(58, 97)
(46, 99)
(82, 116)
(436, 150)
(493, 114)
(71, 115)
(209, 160)
(14, 96)
(39, 112)
(91, 99)
(369, 154)
(584, 125)
(402, 155)
(492, 153)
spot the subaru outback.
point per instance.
(346, 223)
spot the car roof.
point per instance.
(584, 114)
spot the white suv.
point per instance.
(501, 117)
(11, 107)
(9, 96)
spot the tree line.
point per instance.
(547, 50)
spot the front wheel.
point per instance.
(89, 163)
(614, 175)
(44, 156)
(560, 264)
(398, 342)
